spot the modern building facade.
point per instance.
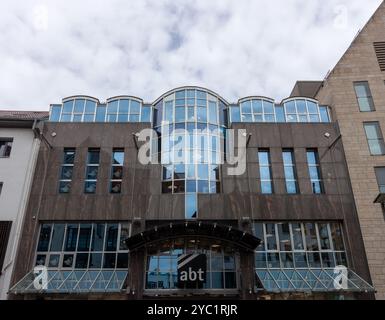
(355, 91)
(19, 146)
(103, 223)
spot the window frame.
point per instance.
(75, 252)
(379, 139)
(7, 143)
(114, 165)
(69, 165)
(88, 165)
(381, 187)
(316, 165)
(262, 255)
(369, 97)
(269, 166)
(294, 168)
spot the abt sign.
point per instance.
(191, 269)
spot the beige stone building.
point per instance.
(355, 90)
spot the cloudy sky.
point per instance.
(52, 49)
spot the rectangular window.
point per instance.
(314, 171)
(5, 229)
(66, 170)
(92, 169)
(117, 171)
(364, 96)
(1, 187)
(380, 175)
(375, 138)
(83, 246)
(290, 171)
(265, 171)
(5, 147)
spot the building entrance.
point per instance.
(191, 263)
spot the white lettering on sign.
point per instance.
(192, 275)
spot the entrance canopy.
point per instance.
(309, 280)
(194, 228)
(74, 281)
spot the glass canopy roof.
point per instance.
(308, 280)
(78, 281)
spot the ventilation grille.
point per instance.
(379, 47)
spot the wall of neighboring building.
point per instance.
(360, 64)
(16, 173)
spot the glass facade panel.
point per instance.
(85, 245)
(299, 245)
(187, 157)
(87, 110)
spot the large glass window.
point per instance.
(364, 96)
(290, 171)
(66, 170)
(162, 264)
(5, 147)
(84, 109)
(117, 170)
(92, 169)
(257, 110)
(190, 143)
(374, 138)
(83, 245)
(265, 171)
(314, 171)
(299, 245)
(304, 110)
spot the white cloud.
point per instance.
(53, 49)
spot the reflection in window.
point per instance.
(314, 171)
(364, 96)
(67, 170)
(161, 265)
(265, 171)
(92, 169)
(257, 110)
(302, 110)
(189, 123)
(380, 176)
(84, 109)
(290, 171)
(117, 171)
(298, 245)
(83, 246)
(374, 138)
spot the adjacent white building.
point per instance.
(19, 145)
